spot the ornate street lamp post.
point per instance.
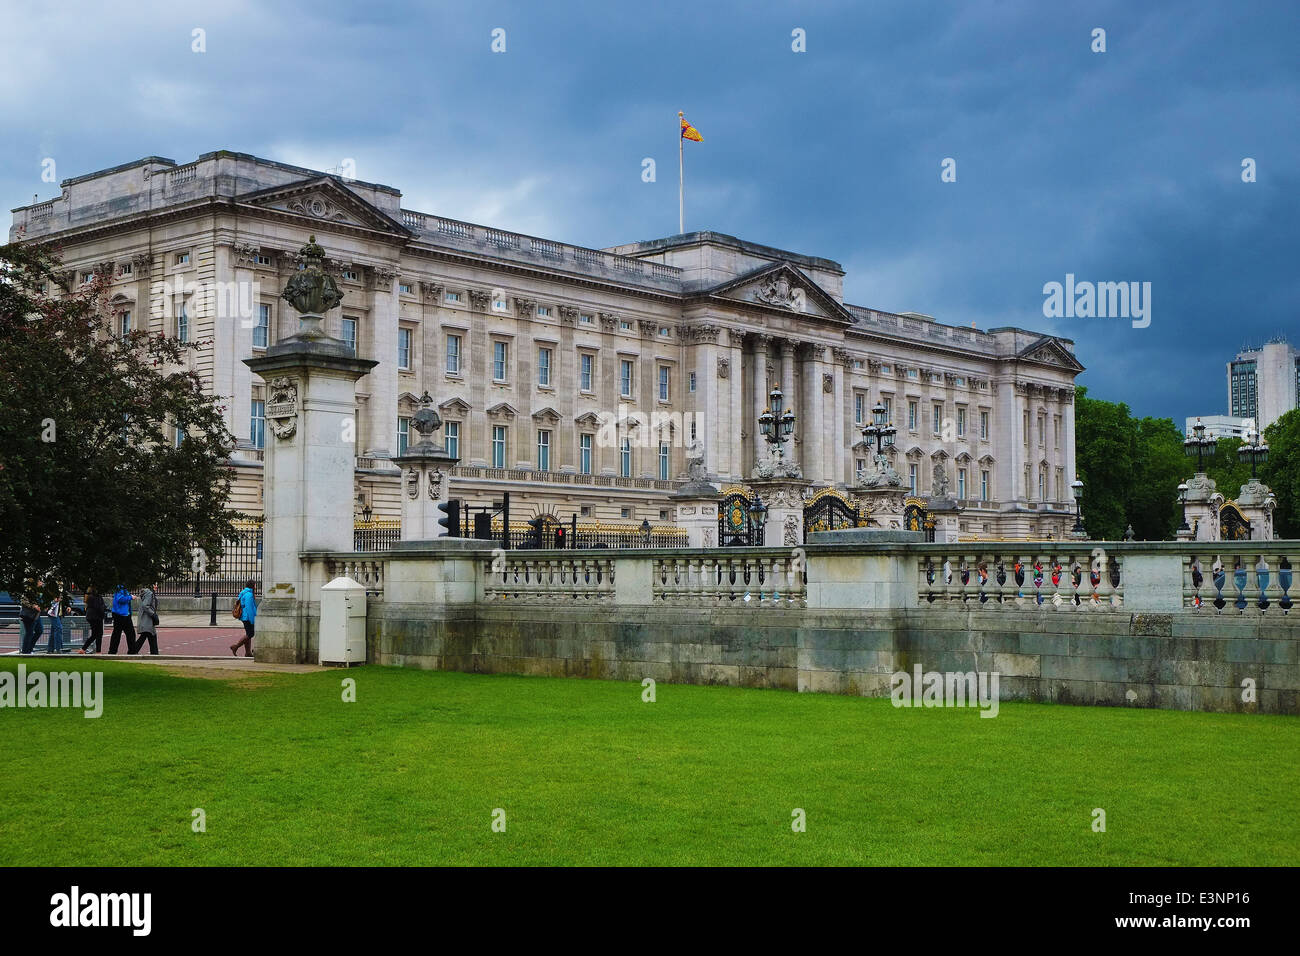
(1182, 498)
(878, 434)
(1076, 489)
(757, 519)
(1200, 446)
(1253, 451)
(777, 424)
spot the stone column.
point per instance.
(791, 398)
(733, 417)
(838, 423)
(381, 409)
(758, 383)
(813, 430)
(565, 374)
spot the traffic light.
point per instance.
(559, 537)
(450, 520)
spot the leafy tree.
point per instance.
(1159, 464)
(92, 488)
(1104, 462)
(1282, 472)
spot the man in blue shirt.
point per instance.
(247, 614)
(122, 623)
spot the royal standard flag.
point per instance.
(690, 132)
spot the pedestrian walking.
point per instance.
(58, 610)
(148, 622)
(247, 614)
(95, 613)
(121, 620)
(30, 616)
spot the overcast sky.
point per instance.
(1117, 166)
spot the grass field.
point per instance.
(287, 773)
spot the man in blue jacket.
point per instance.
(247, 614)
(122, 623)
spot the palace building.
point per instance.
(576, 379)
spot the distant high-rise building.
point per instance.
(1264, 383)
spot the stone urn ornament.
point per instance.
(312, 292)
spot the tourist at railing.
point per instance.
(59, 608)
(247, 614)
(122, 620)
(148, 623)
(95, 613)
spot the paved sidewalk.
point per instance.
(175, 636)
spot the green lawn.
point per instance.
(587, 773)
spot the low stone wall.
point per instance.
(1115, 659)
(822, 619)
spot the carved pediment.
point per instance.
(782, 286)
(454, 407)
(503, 410)
(588, 420)
(546, 415)
(324, 200)
(1050, 351)
(986, 459)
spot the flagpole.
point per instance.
(681, 177)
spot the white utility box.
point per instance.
(343, 622)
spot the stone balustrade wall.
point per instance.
(1114, 623)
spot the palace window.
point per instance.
(961, 425)
(500, 354)
(349, 332)
(404, 288)
(625, 378)
(911, 478)
(663, 383)
(257, 424)
(984, 426)
(690, 380)
(452, 297)
(663, 461)
(938, 418)
(183, 325)
(348, 275)
(262, 331)
(584, 454)
(585, 361)
(451, 431)
(625, 458)
(124, 324)
(984, 486)
(544, 367)
(961, 483)
(404, 348)
(859, 408)
(498, 446)
(453, 354)
(498, 305)
(584, 319)
(263, 260)
(912, 414)
(543, 450)
(182, 258)
(544, 311)
(625, 325)
(403, 435)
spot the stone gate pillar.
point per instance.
(426, 478)
(309, 462)
(784, 500)
(696, 504)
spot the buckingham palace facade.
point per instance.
(576, 379)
